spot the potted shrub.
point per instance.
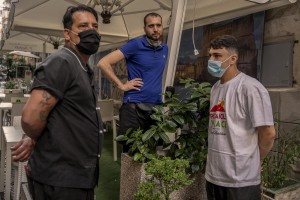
(163, 176)
(10, 84)
(276, 183)
(186, 120)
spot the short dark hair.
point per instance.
(227, 41)
(68, 17)
(152, 15)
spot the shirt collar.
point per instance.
(146, 43)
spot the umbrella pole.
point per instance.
(174, 38)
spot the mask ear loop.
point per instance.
(70, 31)
(225, 61)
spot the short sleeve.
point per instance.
(129, 48)
(260, 107)
(54, 75)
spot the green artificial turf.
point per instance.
(109, 181)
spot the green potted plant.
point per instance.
(276, 183)
(10, 84)
(163, 176)
(185, 120)
(188, 115)
(11, 63)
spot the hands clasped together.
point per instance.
(22, 150)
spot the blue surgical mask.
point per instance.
(215, 68)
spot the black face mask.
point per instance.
(89, 41)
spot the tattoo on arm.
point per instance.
(46, 97)
(43, 116)
(44, 102)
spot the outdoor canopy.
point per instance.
(37, 24)
(24, 53)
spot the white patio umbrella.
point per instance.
(24, 53)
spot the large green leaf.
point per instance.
(148, 134)
(179, 152)
(164, 137)
(137, 156)
(156, 117)
(149, 156)
(131, 140)
(205, 85)
(142, 149)
(121, 138)
(171, 124)
(168, 129)
(179, 119)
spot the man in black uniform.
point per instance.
(61, 115)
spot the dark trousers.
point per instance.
(215, 192)
(131, 116)
(41, 191)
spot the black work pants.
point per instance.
(131, 116)
(216, 192)
(40, 191)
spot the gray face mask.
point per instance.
(89, 41)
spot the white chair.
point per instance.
(7, 99)
(19, 167)
(115, 119)
(106, 109)
(25, 192)
(20, 178)
(9, 93)
(107, 114)
(17, 107)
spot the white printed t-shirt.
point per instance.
(236, 109)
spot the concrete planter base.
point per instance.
(291, 192)
(132, 174)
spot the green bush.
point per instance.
(164, 177)
(10, 84)
(189, 115)
(285, 152)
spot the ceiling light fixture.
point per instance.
(259, 1)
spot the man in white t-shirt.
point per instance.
(241, 128)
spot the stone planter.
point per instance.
(132, 174)
(195, 191)
(291, 192)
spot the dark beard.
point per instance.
(154, 43)
(151, 38)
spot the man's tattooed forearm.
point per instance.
(46, 98)
(43, 116)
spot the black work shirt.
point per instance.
(67, 152)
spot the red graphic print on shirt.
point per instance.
(218, 121)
